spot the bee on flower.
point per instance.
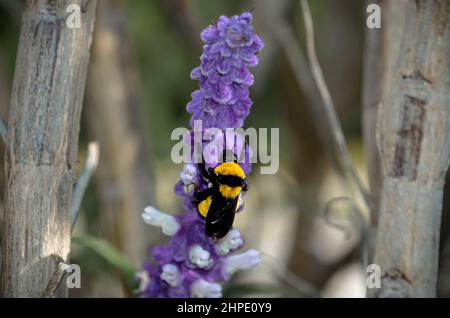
(197, 259)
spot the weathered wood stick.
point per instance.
(44, 120)
(413, 130)
(380, 55)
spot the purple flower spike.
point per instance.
(194, 264)
(230, 49)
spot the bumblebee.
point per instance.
(218, 203)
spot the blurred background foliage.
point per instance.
(157, 45)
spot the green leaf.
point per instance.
(111, 255)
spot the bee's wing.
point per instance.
(220, 217)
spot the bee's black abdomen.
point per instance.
(220, 217)
(220, 229)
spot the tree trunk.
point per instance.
(414, 125)
(44, 120)
(380, 55)
(5, 90)
(114, 116)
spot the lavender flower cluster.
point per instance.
(230, 49)
(193, 264)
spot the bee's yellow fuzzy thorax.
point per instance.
(229, 192)
(230, 169)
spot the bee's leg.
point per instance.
(212, 175)
(200, 196)
(203, 171)
(245, 186)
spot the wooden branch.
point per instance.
(44, 120)
(56, 280)
(380, 55)
(331, 117)
(294, 54)
(92, 157)
(413, 130)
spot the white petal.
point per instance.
(229, 242)
(242, 261)
(166, 222)
(203, 289)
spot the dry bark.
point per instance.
(44, 119)
(414, 125)
(380, 55)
